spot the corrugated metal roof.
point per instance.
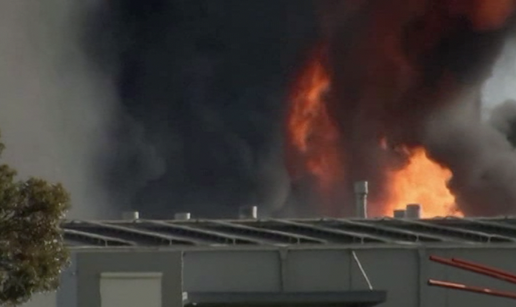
(290, 231)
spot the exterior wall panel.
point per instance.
(327, 270)
(395, 270)
(130, 289)
(42, 300)
(67, 293)
(90, 266)
(232, 271)
(402, 271)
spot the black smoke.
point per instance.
(202, 85)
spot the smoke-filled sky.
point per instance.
(159, 105)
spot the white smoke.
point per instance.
(54, 109)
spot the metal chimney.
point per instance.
(182, 216)
(361, 189)
(413, 211)
(248, 212)
(130, 215)
(399, 214)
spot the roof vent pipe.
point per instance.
(182, 216)
(130, 215)
(399, 214)
(248, 212)
(413, 211)
(361, 190)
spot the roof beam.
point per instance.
(153, 236)
(214, 235)
(334, 232)
(393, 231)
(492, 223)
(463, 233)
(95, 237)
(268, 233)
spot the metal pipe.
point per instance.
(475, 269)
(462, 287)
(413, 211)
(361, 189)
(484, 267)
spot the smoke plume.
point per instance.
(169, 105)
(159, 106)
(55, 110)
(408, 74)
(205, 81)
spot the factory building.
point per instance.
(273, 262)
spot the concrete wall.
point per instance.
(403, 272)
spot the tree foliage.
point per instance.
(32, 250)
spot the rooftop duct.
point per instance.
(361, 189)
(130, 215)
(399, 214)
(413, 211)
(248, 212)
(182, 216)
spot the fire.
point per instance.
(315, 140)
(394, 64)
(421, 181)
(310, 130)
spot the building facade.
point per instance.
(348, 262)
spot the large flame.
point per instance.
(315, 138)
(394, 65)
(421, 181)
(310, 129)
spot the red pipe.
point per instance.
(461, 287)
(475, 268)
(483, 267)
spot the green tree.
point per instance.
(32, 249)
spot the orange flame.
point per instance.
(310, 129)
(421, 181)
(314, 139)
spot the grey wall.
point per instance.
(401, 271)
(41, 300)
(91, 264)
(67, 294)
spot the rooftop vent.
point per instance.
(399, 214)
(130, 215)
(413, 211)
(248, 212)
(182, 216)
(361, 189)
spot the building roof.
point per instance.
(182, 234)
